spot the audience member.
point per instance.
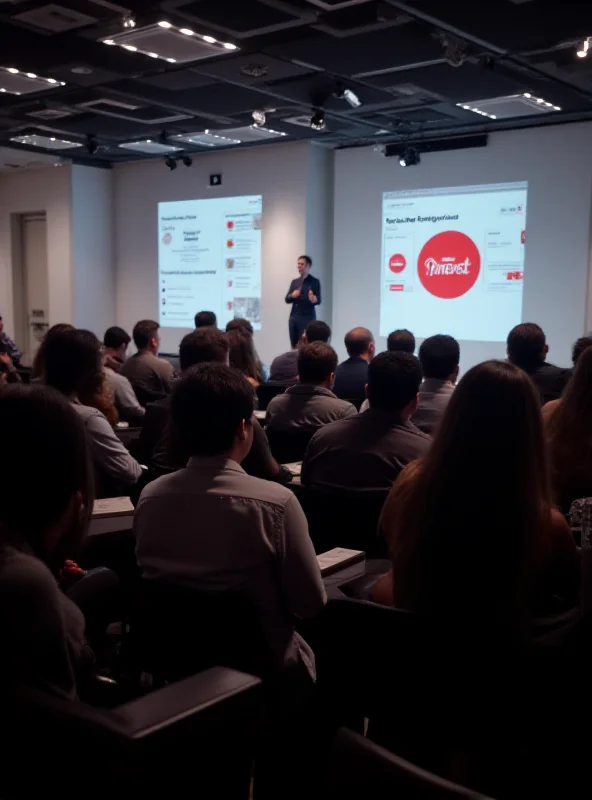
(73, 367)
(41, 630)
(204, 345)
(439, 357)
(317, 331)
(309, 404)
(96, 393)
(205, 319)
(9, 345)
(472, 531)
(8, 372)
(284, 367)
(579, 346)
(115, 344)
(38, 371)
(216, 528)
(149, 375)
(244, 325)
(369, 451)
(243, 356)
(527, 349)
(351, 375)
(401, 340)
(568, 424)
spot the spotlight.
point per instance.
(91, 144)
(409, 157)
(128, 21)
(171, 162)
(258, 117)
(584, 47)
(455, 54)
(317, 121)
(349, 97)
(187, 160)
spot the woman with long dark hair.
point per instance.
(38, 371)
(244, 357)
(568, 426)
(472, 530)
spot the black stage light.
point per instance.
(409, 157)
(317, 121)
(187, 160)
(171, 162)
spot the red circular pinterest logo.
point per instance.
(449, 264)
(397, 263)
(167, 238)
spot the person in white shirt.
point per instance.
(115, 344)
(213, 527)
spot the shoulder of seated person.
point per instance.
(24, 572)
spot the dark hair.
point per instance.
(307, 259)
(201, 346)
(317, 331)
(316, 361)
(402, 341)
(205, 319)
(582, 344)
(393, 380)
(38, 370)
(526, 345)
(115, 338)
(73, 362)
(46, 440)
(144, 331)
(243, 355)
(357, 341)
(468, 523)
(207, 406)
(239, 324)
(439, 356)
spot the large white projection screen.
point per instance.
(453, 261)
(209, 259)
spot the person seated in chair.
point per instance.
(351, 375)
(205, 319)
(149, 375)
(115, 344)
(309, 404)
(369, 450)
(439, 357)
(213, 527)
(528, 349)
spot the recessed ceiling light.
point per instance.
(153, 55)
(229, 46)
(2, 90)
(12, 69)
(130, 47)
(51, 80)
(172, 60)
(163, 24)
(209, 39)
(187, 31)
(108, 41)
(31, 75)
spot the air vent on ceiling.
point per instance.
(150, 147)
(55, 18)
(47, 142)
(115, 108)
(14, 81)
(177, 45)
(50, 113)
(303, 120)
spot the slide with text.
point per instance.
(453, 261)
(209, 259)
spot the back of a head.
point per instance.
(39, 360)
(242, 353)
(439, 356)
(393, 381)
(205, 319)
(358, 341)
(317, 331)
(401, 340)
(44, 442)
(73, 362)
(208, 405)
(239, 324)
(144, 331)
(526, 345)
(580, 345)
(316, 362)
(570, 426)
(115, 338)
(203, 345)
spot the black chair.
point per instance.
(267, 391)
(344, 519)
(199, 733)
(355, 401)
(361, 770)
(290, 445)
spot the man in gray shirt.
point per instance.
(149, 375)
(368, 451)
(115, 344)
(213, 527)
(439, 356)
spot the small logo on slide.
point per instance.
(229, 243)
(230, 224)
(167, 238)
(449, 264)
(397, 263)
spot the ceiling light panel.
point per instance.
(207, 138)
(510, 106)
(170, 43)
(47, 142)
(16, 81)
(250, 133)
(150, 146)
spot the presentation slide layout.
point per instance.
(453, 261)
(209, 258)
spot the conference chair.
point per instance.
(270, 389)
(344, 519)
(198, 735)
(290, 445)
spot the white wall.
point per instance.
(556, 162)
(278, 172)
(319, 224)
(93, 266)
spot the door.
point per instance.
(35, 283)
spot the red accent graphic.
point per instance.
(397, 263)
(167, 238)
(449, 264)
(230, 224)
(522, 237)
(396, 287)
(514, 276)
(230, 243)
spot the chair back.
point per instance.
(344, 519)
(290, 445)
(267, 391)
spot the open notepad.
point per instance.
(339, 558)
(112, 507)
(295, 467)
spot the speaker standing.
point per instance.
(305, 295)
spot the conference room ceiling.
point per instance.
(421, 70)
